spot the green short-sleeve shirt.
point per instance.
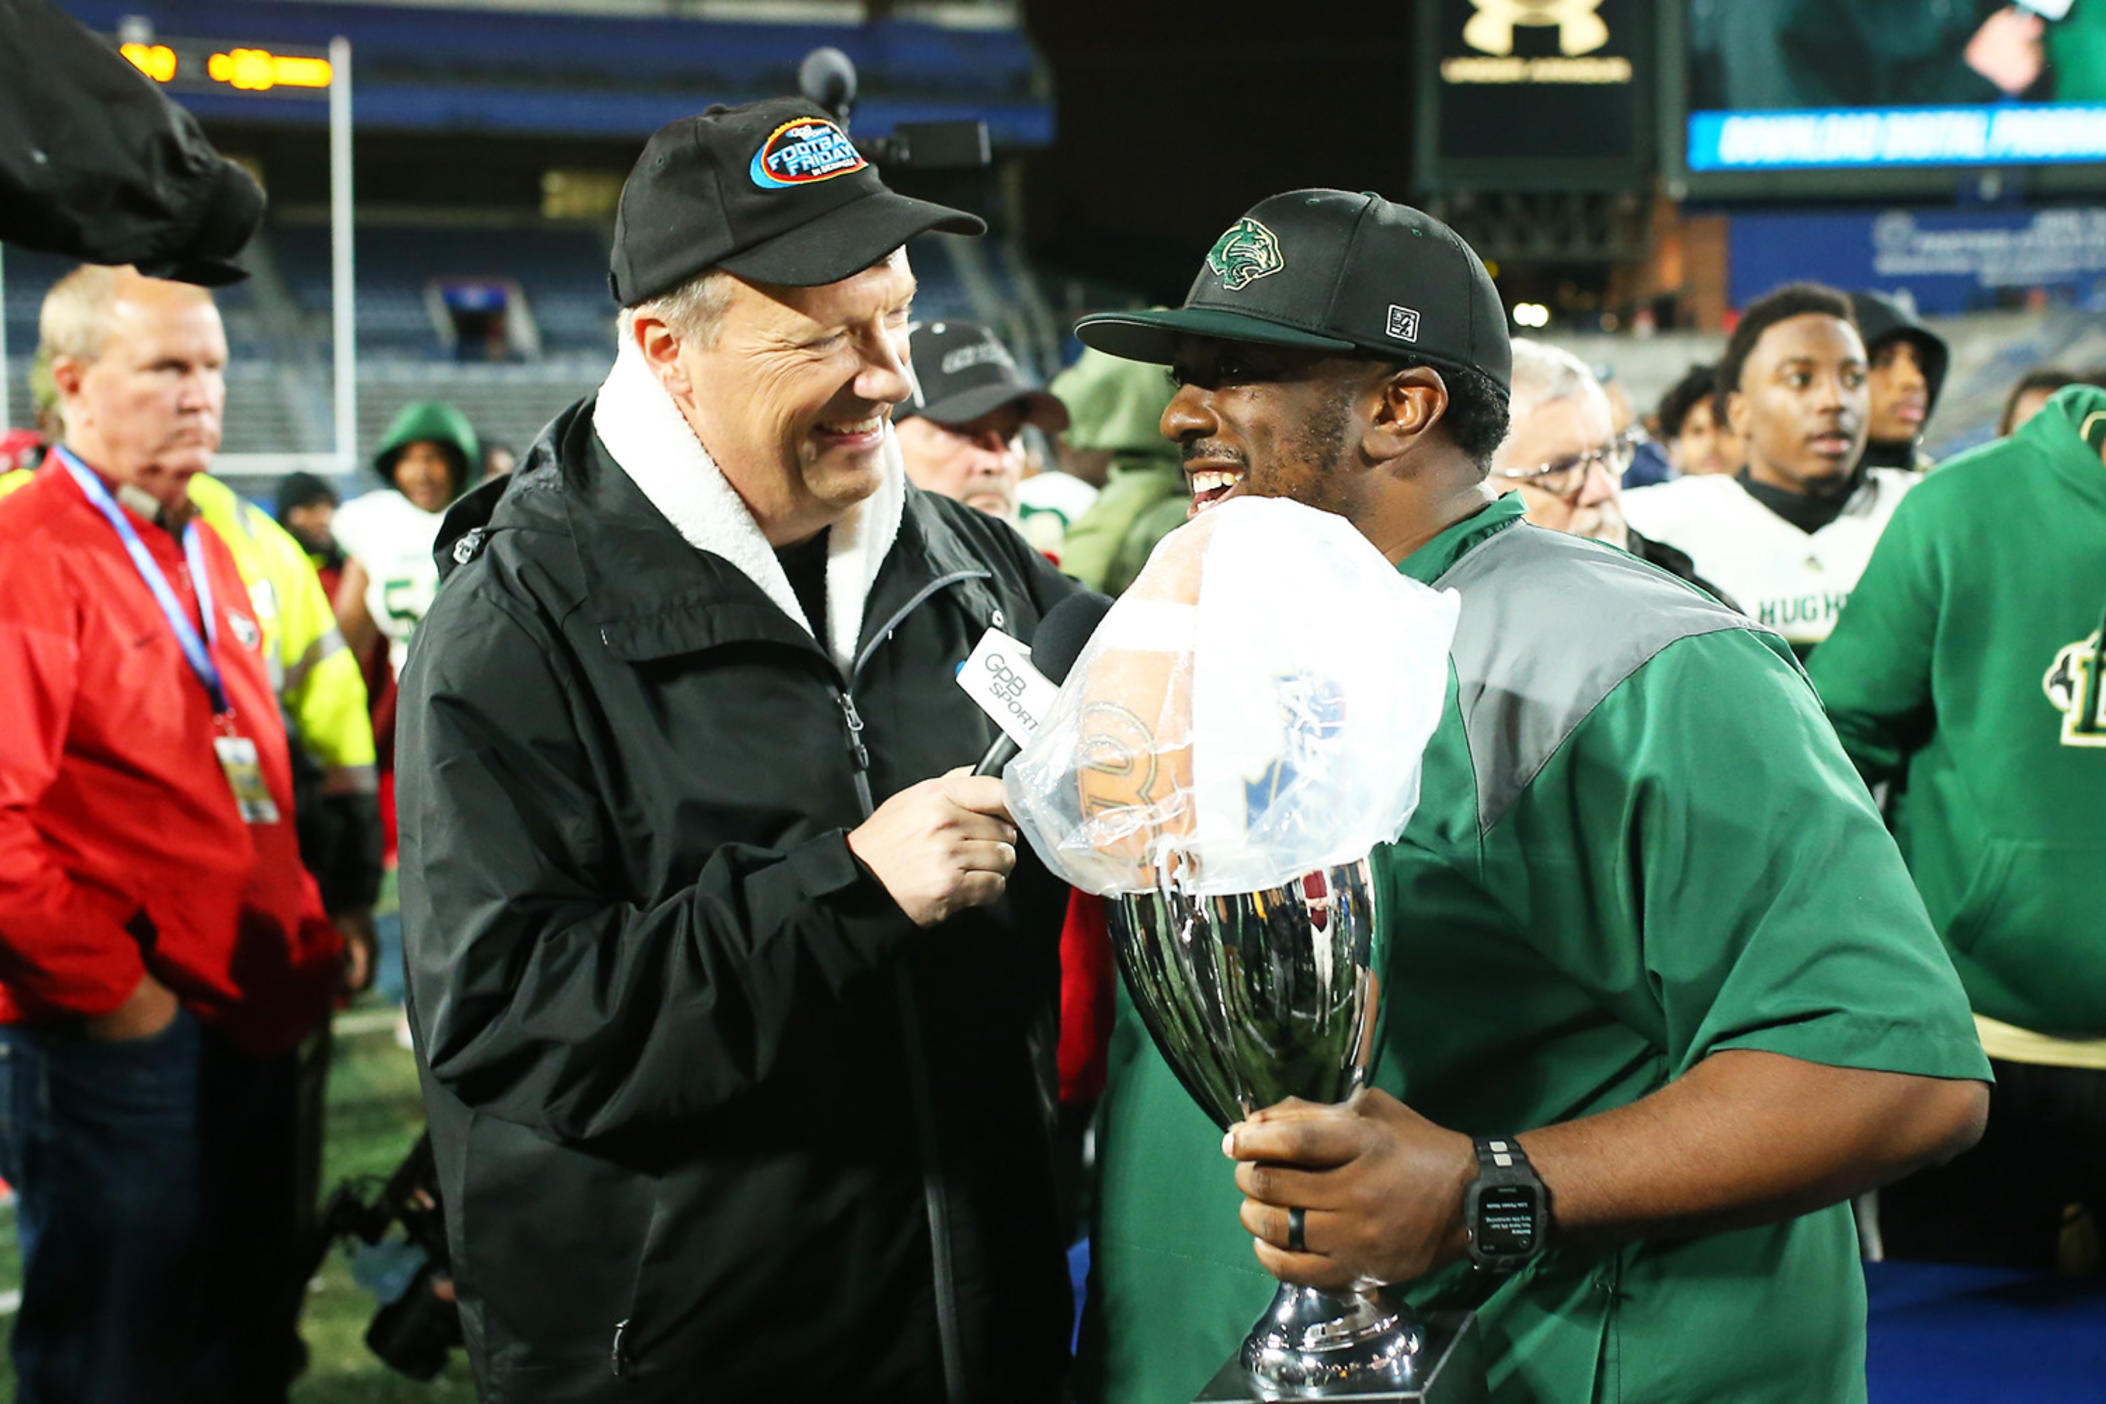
(1638, 843)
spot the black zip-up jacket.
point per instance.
(712, 1118)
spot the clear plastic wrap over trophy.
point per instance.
(1241, 732)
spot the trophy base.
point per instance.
(1448, 1369)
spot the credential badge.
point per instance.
(1246, 252)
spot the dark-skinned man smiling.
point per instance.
(1693, 985)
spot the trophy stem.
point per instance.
(1313, 1344)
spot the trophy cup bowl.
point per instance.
(1253, 997)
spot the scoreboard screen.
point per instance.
(1851, 87)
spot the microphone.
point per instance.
(827, 77)
(1055, 645)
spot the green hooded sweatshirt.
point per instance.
(1966, 671)
(443, 425)
(1118, 406)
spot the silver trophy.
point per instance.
(1240, 733)
(1259, 996)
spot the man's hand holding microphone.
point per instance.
(947, 844)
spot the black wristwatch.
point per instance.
(1507, 1209)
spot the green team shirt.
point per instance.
(1638, 843)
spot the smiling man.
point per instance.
(1665, 959)
(1790, 533)
(727, 981)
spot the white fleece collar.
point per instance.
(648, 437)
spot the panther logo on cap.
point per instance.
(1245, 253)
(804, 151)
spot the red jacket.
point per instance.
(121, 850)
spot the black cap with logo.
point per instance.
(773, 191)
(962, 371)
(1330, 271)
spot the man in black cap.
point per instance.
(732, 997)
(961, 429)
(1655, 1003)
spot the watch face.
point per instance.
(1506, 1220)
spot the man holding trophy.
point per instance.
(1656, 993)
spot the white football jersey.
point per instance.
(1786, 579)
(392, 538)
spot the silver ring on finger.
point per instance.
(1297, 1228)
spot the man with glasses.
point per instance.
(1563, 456)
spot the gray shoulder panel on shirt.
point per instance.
(1550, 626)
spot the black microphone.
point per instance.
(827, 77)
(1057, 643)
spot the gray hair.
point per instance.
(694, 309)
(1543, 373)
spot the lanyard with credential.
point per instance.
(196, 650)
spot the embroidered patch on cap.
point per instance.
(980, 353)
(1246, 252)
(1403, 323)
(801, 152)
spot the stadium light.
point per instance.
(259, 70)
(1531, 314)
(156, 61)
(220, 66)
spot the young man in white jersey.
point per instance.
(386, 536)
(1790, 533)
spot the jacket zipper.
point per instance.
(920, 1097)
(857, 751)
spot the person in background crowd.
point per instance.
(1049, 500)
(166, 954)
(1637, 947)
(320, 693)
(24, 450)
(498, 460)
(1645, 462)
(306, 507)
(96, 164)
(2030, 395)
(1699, 437)
(426, 459)
(21, 450)
(732, 992)
(1966, 673)
(1789, 534)
(961, 430)
(1116, 407)
(1562, 455)
(1908, 364)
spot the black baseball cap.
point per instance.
(773, 191)
(962, 371)
(1327, 270)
